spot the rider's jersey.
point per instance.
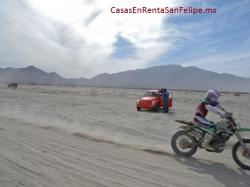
(201, 110)
(204, 107)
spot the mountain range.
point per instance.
(170, 76)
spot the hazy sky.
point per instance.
(82, 38)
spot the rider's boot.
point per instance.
(206, 143)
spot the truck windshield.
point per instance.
(153, 94)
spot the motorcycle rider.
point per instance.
(209, 104)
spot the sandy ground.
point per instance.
(72, 136)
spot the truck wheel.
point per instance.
(157, 108)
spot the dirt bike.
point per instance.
(186, 141)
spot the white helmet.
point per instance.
(213, 96)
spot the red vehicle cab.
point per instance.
(152, 100)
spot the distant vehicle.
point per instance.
(152, 100)
(12, 85)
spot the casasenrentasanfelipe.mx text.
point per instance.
(162, 10)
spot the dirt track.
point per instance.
(63, 136)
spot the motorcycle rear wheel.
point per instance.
(186, 146)
(239, 154)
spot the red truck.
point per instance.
(152, 100)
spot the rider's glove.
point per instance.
(228, 115)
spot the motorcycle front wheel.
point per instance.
(183, 144)
(242, 156)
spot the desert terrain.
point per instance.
(85, 136)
